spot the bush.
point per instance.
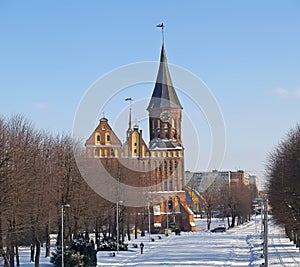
(80, 253)
(111, 245)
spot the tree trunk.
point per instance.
(135, 231)
(128, 232)
(47, 255)
(17, 256)
(32, 253)
(233, 221)
(87, 236)
(37, 252)
(11, 256)
(2, 252)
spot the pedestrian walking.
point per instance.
(142, 247)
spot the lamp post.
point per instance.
(118, 237)
(62, 232)
(266, 232)
(149, 221)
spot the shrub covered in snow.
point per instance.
(80, 253)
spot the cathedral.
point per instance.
(158, 165)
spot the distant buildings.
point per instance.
(215, 180)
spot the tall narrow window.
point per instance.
(165, 166)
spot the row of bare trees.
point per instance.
(283, 170)
(38, 174)
(233, 203)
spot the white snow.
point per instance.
(240, 246)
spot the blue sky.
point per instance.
(246, 52)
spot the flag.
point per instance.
(160, 25)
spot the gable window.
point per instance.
(98, 137)
(108, 138)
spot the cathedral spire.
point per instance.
(164, 95)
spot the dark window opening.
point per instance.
(165, 166)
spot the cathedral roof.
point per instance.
(164, 95)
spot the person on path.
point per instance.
(142, 247)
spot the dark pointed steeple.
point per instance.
(164, 95)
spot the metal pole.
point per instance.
(62, 235)
(117, 226)
(266, 232)
(167, 220)
(149, 222)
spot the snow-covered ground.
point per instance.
(240, 246)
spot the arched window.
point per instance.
(97, 138)
(107, 138)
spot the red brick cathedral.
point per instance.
(159, 165)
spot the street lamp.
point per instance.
(149, 221)
(62, 232)
(118, 202)
(265, 203)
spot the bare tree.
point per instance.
(283, 171)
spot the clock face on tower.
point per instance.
(165, 116)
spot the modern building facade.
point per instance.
(215, 180)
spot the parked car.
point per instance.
(219, 229)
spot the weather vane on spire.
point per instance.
(129, 120)
(161, 25)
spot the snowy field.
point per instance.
(240, 246)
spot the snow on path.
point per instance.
(282, 252)
(189, 249)
(240, 246)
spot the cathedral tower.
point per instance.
(165, 129)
